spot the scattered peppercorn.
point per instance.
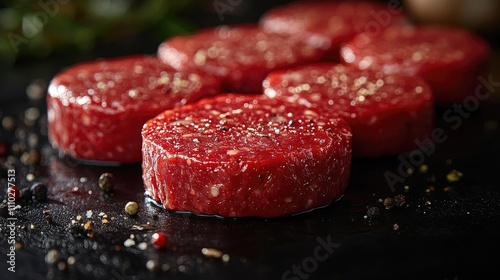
(88, 226)
(31, 115)
(18, 149)
(423, 168)
(36, 90)
(454, 176)
(211, 253)
(400, 200)
(62, 265)
(31, 157)
(71, 260)
(373, 212)
(152, 265)
(106, 182)
(131, 208)
(9, 123)
(389, 203)
(30, 177)
(142, 246)
(39, 191)
(159, 239)
(52, 256)
(129, 243)
(33, 140)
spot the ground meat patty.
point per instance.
(243, 155)
(240, 56)
(449, 59)
(328, 24)
(387, 113)
(97, 109)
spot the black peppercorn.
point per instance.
(400, 200)
(106, 182)
(373, 212)
(39, 191)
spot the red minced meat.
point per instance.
(387, 112)
(328, 24)
(245, 155)
(96, 109)
(240, 56)
(450, 59)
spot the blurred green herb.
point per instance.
(40, 27)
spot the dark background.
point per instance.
(78, 33)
